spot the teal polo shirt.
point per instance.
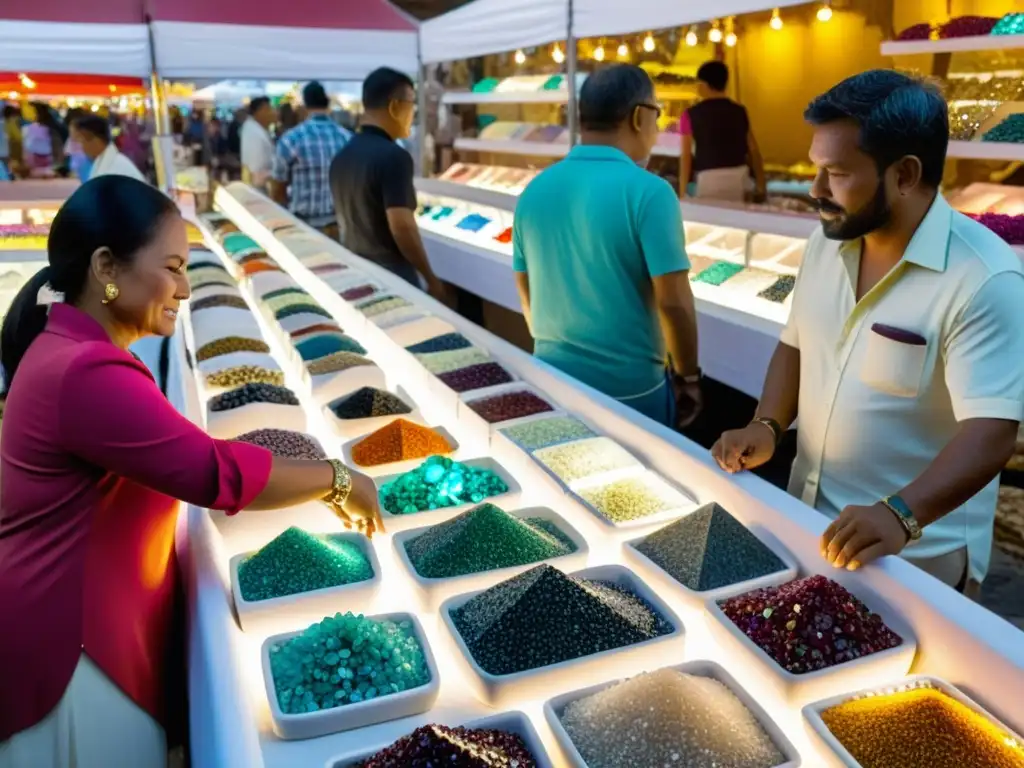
(590, 232)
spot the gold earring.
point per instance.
(110, 293)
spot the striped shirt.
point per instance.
(303, 157)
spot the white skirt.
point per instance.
(93, 726)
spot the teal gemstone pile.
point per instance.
(483, 539)
(439, 483)
(1010, 24)
(327, 344)
(346, 659)
(718, 272)
(1010, 130)
(297, 561)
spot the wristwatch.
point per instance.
(899, 507)
(691, 378)
(341, 486)
(773, 425)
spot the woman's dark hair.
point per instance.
(113, 212)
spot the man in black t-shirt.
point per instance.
(372, 183)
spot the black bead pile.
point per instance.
(298, 309)
(253, 393)
(443, 343)
(368, 402)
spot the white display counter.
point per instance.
(957, 640)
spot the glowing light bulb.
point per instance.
(599, 53)
(623, 51)
(715, 35)
(776, 22)
(557, 54)
(649, 43)
(520, 58)
(730, 39)
(825, 12)
(691, 37)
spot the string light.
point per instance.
(691, 37)
(599, 53)
(776, 22)
(27, 81)
(730, 31)
(557, 54)
(520, 57)
(623, 51)
(715, 35)
(825, 12)
(649, 43)
(730, 39)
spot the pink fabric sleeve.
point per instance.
(685, 129)
(113, 415)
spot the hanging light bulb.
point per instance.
(557, 55)
(691, 37)
(599, 53)
(730, 39)
(715, 35)
(649, 43)
(776, 22)
(623, 51)
(520, 57)
(825, 12)
(730, 31)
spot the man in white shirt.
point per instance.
(93, 134)
(257, 146)
(902, 356)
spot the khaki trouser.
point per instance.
(93, 726)
(950, 569)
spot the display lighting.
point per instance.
(691, 37)
(825, 12)
(730, 39)
(520, 57)
(649, 43)
(715, 35)
(27, 81)
(557, 54)
(623, 51)
(776, 22)
(599, 53)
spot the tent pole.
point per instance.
(570, 75)
(421, 107)
(163, 142)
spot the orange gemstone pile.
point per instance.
(399, 441)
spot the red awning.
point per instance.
(68, 12)
(48, 84)
(314, 14)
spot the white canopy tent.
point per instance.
(593, 18)
(493, 26)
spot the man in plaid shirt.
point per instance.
(303, 159)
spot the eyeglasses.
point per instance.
(658, 109)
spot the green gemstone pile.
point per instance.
(346, 659)
(297, 562)
(541, 433)
(452, 359)
(438, 483)
(483, 539)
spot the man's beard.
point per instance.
(853, 226)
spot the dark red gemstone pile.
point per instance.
(512, 405)
(439, 745)
(967, 26)
(476, 377)
(359, 292)
(916, 32)
(809, 624)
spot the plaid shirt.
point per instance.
(303, 157)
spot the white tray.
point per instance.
(797, 690)
(510, 722)
(395, 467)
(299, 321)
(407, 334)
(660, 578)
(398, 317)
(329, 386)
(266, 282)
(498, 690)
(837, 754)
(651, 521)
(214, 290)
(235, 359)
(352, 428)
(306, 608)
(228, 424)
(636, 466)
(507, 500)
(479, 426)
(433, 592)
(554, 708)
(220, 322)
(350, 716)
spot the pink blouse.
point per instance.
(93, 459)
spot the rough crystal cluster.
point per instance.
(437, 746)
(438, 483)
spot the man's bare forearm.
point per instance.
(781, 393)
(523, 286)
(678, 321)
(410, 245)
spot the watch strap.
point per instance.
(899, 507)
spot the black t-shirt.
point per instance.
(720, 128)
(371, 174)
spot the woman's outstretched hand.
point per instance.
(361, 510)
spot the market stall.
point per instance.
(279, 286)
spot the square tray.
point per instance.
(607, 476)
(838, 755)
(660, 579)
(305, 608)
(509, 499)
(352, 428)
(228, 424)
(797, 690)
(497, 690)
(433, 592)
(217, 289)
(511, 722)
(657, 519)
(326, 387)
(395, 467)
(407, 334)
(350, 716)
(479, 426)
(553, 709)
(219, 322)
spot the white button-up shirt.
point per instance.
(257, 154)
(875, 412)
(112, 163)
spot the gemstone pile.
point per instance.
(585, 458)
(327, 344)
(920, 727)
(484, 539)
(442, 343)
(359, 292)
(708, 549)
(285, 443)
(439, 483)
(220, 300)
(336, 362)
(239, 375)
(400, 440)
(299, 309)
(685, 720)
(368, 402)
(476, 377)
(451, 360)
(718, 273)
(779, 290)
(633, 498)
(297, 561)
(229, 344)
(508, 628)
(253, 393)
(508, 406)
(432, 746)
(541, 433)
(382, 304)
(346, 659)
(809, 624)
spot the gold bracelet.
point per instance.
(341, 486)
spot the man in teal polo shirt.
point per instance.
(601, 262)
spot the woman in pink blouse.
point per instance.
(93, 461)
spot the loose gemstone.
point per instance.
(718, 272)
(541, 433)
(433, 746)
(204, 264)
(443, 343)
(250, 256)
(327, 344)
(453, 359)
(439, 483)
(585, 458)
(682, 720)
(228, 345)
(477, 376)
(634, 498)
(381, 304)
(708, 549)
(286, 300)
(209, 276)
(260, 265)
(221, 300)
(508, 406)
(279, 292)
(400, 440)
(778, 291)
(253, 393)
(315, 328)
(483, 539)
(509, 628)
(238, 375)
(285, 443)
(830, 627)
(368, 402)
(297, 561)
(236, 241)
(300, 308)
(920, 727)
(358, 292)
(346, 659)
(336, 362)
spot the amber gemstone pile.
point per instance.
(399, 441)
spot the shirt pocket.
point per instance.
(894, 361)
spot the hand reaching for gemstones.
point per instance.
(746, 448)
(361, 509)
(862, 534)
